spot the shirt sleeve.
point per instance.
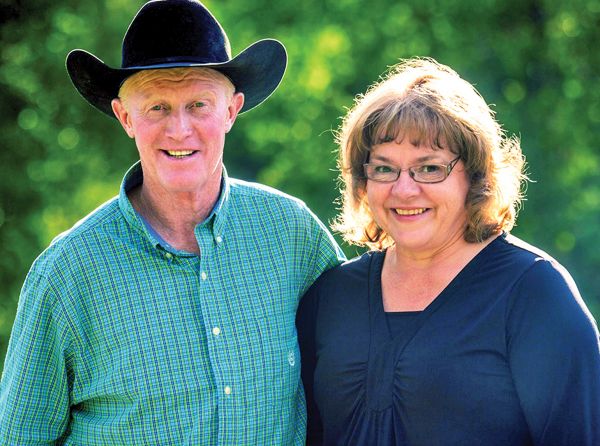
(306, 322)
(554, 355)
(325, 253)
(34, 391)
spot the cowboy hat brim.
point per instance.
(256, 72)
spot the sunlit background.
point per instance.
(536, 61)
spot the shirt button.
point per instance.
(227, 390)
(168, 255)
(203, 275)
(216, 331)
(219, 239)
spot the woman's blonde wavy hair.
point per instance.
(429, 103)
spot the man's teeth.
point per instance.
(179, 153)
(410, 211)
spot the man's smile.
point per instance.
(179, 153)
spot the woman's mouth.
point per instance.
(417, 211)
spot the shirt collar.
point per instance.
(214, 222)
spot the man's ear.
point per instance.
(235, 105)
(123, 116)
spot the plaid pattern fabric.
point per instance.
(119, 341)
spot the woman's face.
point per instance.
(422, 219)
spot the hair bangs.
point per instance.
(412, 120)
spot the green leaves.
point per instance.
(536, 61)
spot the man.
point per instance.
(167, 315)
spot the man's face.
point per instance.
(179, 126)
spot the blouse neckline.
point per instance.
(384, 349)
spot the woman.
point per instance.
(450, 331)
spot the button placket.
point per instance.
(210, 243)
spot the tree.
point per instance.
(534, 60)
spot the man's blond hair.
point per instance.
(142, 78)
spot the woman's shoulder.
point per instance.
(544, 286)
(355, 269)
(343, 289)
(347, 279)
(509, 256)
(526, 250)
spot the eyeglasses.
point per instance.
(423, 173)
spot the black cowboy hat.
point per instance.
(179, 33)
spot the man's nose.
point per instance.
(179, 124)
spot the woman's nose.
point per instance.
(405, 185)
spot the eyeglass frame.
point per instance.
(447, 169)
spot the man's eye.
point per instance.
(383, 169)
(429, 168)
(199, 104)
(157, 107)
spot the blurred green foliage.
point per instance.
(533, 59)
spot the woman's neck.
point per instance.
(411, 282)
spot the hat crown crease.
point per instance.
(163, 32)
(179, 33)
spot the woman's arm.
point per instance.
(306, 323)
(554, 355)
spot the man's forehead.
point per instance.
(144, 80)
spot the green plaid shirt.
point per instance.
(121, 341)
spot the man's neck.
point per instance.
(174, 216)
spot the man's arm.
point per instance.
(34, 391)
(325, 253)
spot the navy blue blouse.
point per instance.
(507, 354)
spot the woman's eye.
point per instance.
(383, 169)
(429, 168)
(157, 107)
(199, 104)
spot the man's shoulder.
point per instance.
(249, 189)
(104, 214)
(82, 234)
(260, 197)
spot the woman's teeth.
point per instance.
(410, 211)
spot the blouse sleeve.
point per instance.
(306, 323)
(554, 354)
